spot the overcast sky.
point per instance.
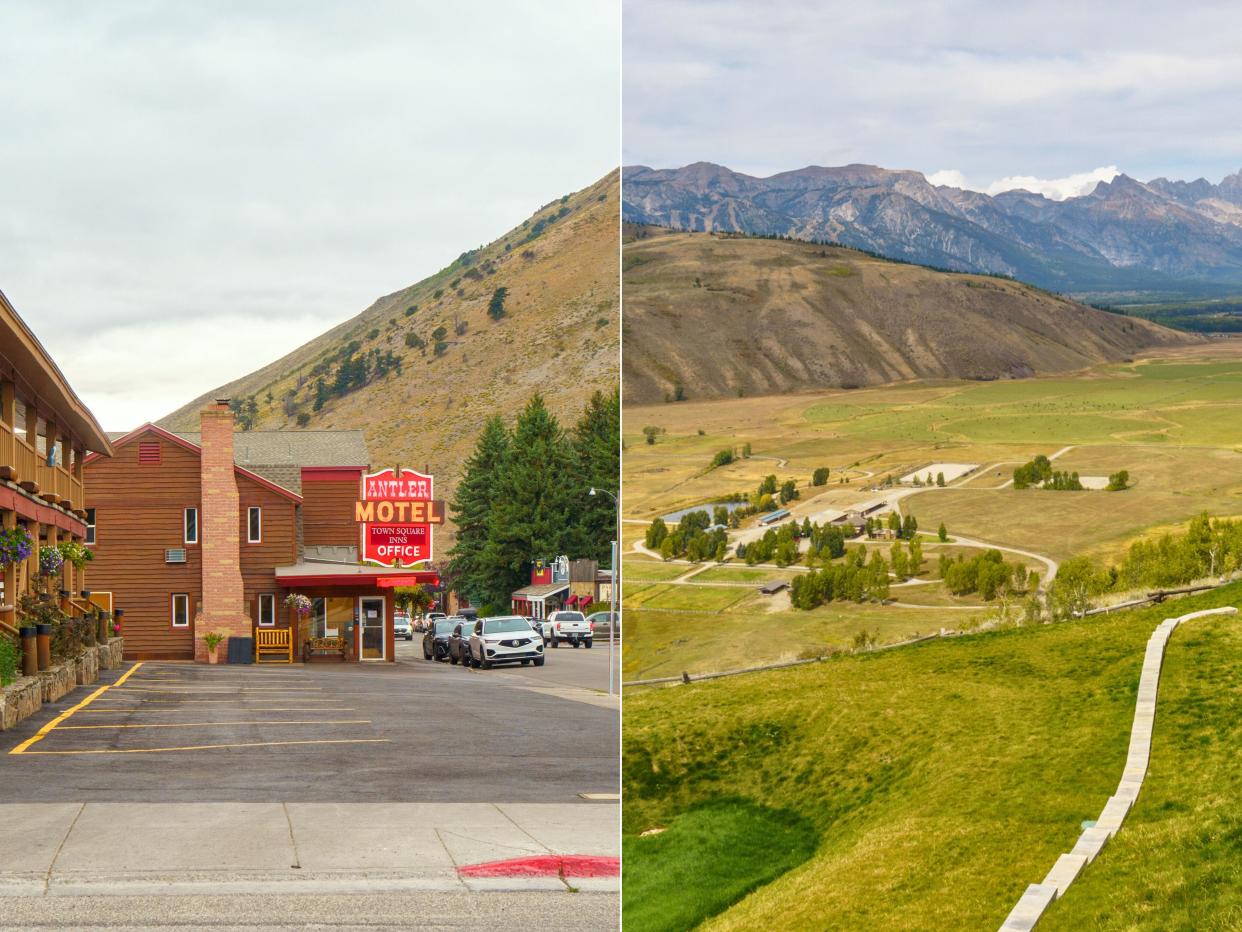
(990, 95)
(189, 190)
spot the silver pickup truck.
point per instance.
(568, 626)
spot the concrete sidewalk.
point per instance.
(93, 849)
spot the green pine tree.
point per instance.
(597, 463)
(535, 504)
(471, 509)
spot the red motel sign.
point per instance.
(397, 511)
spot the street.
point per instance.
(327, 783)
(565, 666)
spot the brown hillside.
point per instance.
(724, 315)
(559, 336)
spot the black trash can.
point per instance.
(241, 650)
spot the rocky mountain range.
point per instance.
(1167, 238)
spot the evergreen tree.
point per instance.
(597, 463)
(535, 503)
(471, 508)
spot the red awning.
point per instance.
(413, 579)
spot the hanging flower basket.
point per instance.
(51, 561)
(299, 603)
(15, 546)
(75, 553)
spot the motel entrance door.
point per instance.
(371, 620)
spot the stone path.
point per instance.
(1039, 896)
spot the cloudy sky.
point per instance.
(989, 95)
(189, 190)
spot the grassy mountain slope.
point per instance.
(729, 315)
(558, 335)
(942, 779)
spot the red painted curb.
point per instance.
(546, 865)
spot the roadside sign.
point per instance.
(397, 510)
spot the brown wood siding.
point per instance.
(328, 513)
(277, 548)
(139, 512)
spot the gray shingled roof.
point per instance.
(279, 455)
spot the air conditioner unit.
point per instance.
(174, 555)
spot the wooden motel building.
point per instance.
(46, 433)
(210, 531)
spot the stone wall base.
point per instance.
(110, 654)
(20, 700)
(88, 666)
(59, 680)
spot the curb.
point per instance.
(547, 865)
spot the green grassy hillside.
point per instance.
(942, 779)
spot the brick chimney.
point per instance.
(223, 608)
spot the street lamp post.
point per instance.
(615, 588)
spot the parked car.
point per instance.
(568, 626)
(459, 641)
(601, 622)
(505, 639)
(401, 626)
(436, 638)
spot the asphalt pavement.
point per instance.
(444, 797)
(411, 731)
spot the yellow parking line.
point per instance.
(117, 710)
(39, 735)
(213, 690)
(209, 747)
(342, 721)
(214, 701)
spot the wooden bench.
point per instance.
(317, 650)
(275, 643)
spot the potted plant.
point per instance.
(299, 603)
(212, 640)
(15, 546)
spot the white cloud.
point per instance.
(1057, 189)
(949, 177)
(228, 179)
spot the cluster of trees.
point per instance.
(986, 573)
(352, 371)
(695, 538)
(524, 495)
(820, 476)
(1119, 481)
(857, 579)
(723, 458)
(939, 481)
(1039, 473)
(246, 411)
(904, 527)
(1208, 548)
(906, 563)
(777, 545)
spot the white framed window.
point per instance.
(180, 610)
(90, 525)
(254, 524)
(267, 610)
(191, 525)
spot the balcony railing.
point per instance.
(26, 466)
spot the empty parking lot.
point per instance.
(172, 732)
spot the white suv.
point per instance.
(505, 639)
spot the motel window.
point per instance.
(90, 525)
(255, 525)
(191, 525)
(267, 609)
(180, 610)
